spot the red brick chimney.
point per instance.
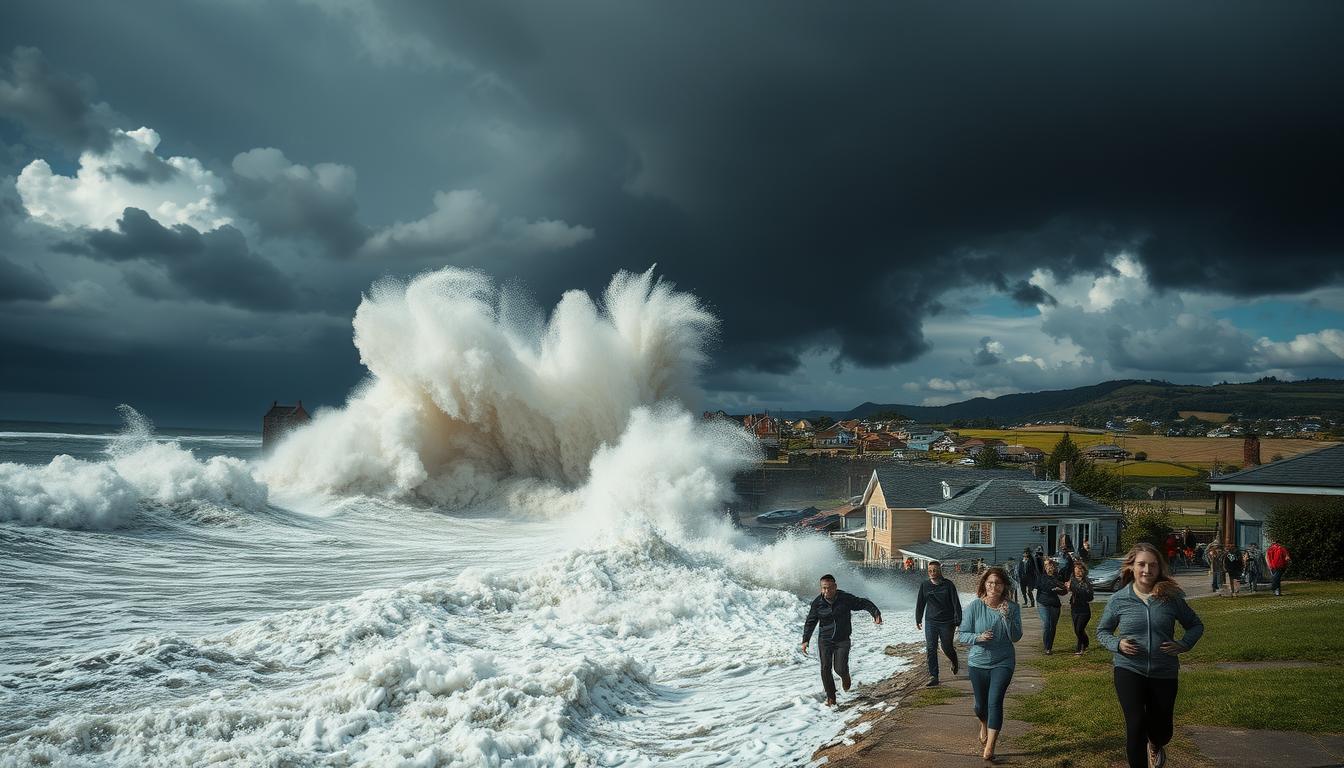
(1250, 451)
(1064, 471)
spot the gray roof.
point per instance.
(918, 486)
(1323, 468)
(933, 550)
(1002, 497)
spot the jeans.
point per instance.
(1080, 619)
(934, 632)
(1275, 579)
(989, 685)
(833, 655)
(1049, 622)
(1148, 704)
(1217, 581)
(1028, 595)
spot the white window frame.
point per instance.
(950, 533)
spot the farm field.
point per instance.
(1198, 452)
(1161, 469)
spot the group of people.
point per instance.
(1241, 568)
(1138, 627)
(1044, 581)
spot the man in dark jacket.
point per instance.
(831, 611)
(1026, 577)
(938, 613)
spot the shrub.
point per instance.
(1146, 522)
(1141, 456)
(1312, 532)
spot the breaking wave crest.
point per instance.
(469, 392)
(139, 472)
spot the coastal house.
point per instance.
(955, 514)
(1106, 451)
(923, 440)
(763, 426)
(880, 441)
(897, 499)
(945, 444)
(833, 437)
(1244, 499)
(997, 518)
(279, 420)
(1020, 454)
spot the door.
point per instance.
(1051, 539)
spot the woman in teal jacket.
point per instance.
(1139, 628)
(990, 625)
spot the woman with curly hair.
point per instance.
(1139, 628)
(990, 625)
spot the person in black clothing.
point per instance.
(938, 613)
(1080, 605)
(831, 611)
(1026, 577)
(1048, 590)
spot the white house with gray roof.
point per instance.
(933, 511)
(1245, 498)
(997, 518)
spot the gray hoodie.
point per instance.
(1149, 624)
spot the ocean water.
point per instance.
(505, 550)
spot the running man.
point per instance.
(831, 611)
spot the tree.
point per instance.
(1141, 428)
(987, 458)
(1145, 522)
(1064, 450)
(823, 422)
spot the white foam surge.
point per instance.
(468, 392)
(635, 653)
(69, 493)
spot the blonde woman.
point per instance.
(1139, 628)
(990, 625)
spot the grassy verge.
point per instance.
(1077, 722)
(928, 697)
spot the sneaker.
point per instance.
(933, 683)
(1157, 756)
(844, 683)
(1049, 652)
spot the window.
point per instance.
(878, 516)
(947, 490)
(1058, 499)
(979, 533)
(946, 530)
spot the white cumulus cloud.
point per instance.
(129, 174)
(463, 218)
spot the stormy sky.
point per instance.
(897, 202)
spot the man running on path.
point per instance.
(831, 611)
(938, 613)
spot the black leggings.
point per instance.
(1149, 704)
(1080, 619)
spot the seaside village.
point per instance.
(915, 494)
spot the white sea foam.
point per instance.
(468, 392)
(140, 470)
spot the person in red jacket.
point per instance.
(1277, 558)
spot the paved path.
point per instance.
(945, 734)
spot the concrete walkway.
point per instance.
(946, 733)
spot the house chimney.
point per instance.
(1250, 451)
(1064, 473)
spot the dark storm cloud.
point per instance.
(216, 266)
(18, 283)
(289, 200)
(889, 153)
(50, 104)
(986, 353)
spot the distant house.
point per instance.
(833, 437)
(802, 425)
(1245, 498)
(763, 426)
(954, 514)
(923, 440)
(1020, 454)
(279, 420)
(880, 441)
(945, 444)
(1106, 451)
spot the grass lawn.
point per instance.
(1157, 469)
(1078, 722)
(1194, 522)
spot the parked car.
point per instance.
(785, 516)
(1105, 576)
